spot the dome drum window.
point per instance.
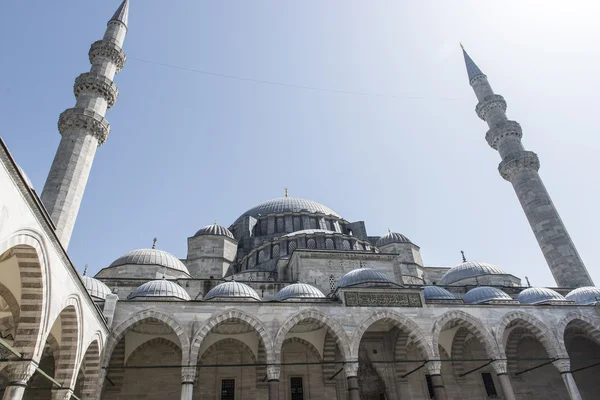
(311, 243)
(329, 244)
(291, 246)
(275, 251)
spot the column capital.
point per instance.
(61, 394)
(517, 162)
(563, 365)
(351, 368)
(19, 372)
(188, 374)
(434, 367)
(273, 372)
(500, 367)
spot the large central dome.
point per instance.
(287, 205)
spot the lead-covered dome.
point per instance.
(215, 230)
(584, 296)
(537, 295)
(437, 293)
(162, 289)
(392, 237)
(232, 291)
(485, 294)
(287, 205)
(299, 291)
(362, 276)
(95, 287)
(150, 257)
(469, 269)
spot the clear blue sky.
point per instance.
(187, 148)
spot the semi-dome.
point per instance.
(95, 287)
(485, 294)
(469, 269)
(584, 296)
(392, 237)
(287, 205)
(232, 290)
(437, 293)
(537, 295)
(309, 232)
(299, 291)
(215, 230)
(150, 257)
(362, 276)
(160, 288)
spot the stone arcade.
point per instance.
(291, 301)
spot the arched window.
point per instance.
(263, 226)
(280, 225)
(331, 282)
(252, 261)
(329, 243)
(313, 223)
(291, 246)
(262, 256)
(297, 224)
(275, 251)
(346, 245)
(311, 243)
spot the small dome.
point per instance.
(299, 291)
(484, 294)
(362, 276)
(232, 290)
(95, 287)
(160, 288)
(392, 237)
(287, 205)
(584, 296)
(536, 295)
(151, 257)
(469, 269)
(215, 230)
(309, 232)
(437, 293)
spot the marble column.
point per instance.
(435, 372)
(351, 371)
(501, 369)
(188, 375)
(273, 372)
(564, 367)
(19, 373)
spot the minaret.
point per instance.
(84, 128)
(520, 167)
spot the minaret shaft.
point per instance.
(520, 168)
(84, 128)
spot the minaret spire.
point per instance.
(84, 128)
(520, 167)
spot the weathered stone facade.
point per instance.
(290, 302)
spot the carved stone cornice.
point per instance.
(517, 162)
(509, 128)
(490, 103)
(84, 118)
(110, 50)
(98, 84)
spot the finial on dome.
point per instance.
(85, 270)
(389, 230)
(462, 253)
(215, 222)
(154, 243)
(286, 192)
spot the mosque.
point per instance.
(291, 301)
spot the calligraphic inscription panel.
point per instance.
(371, 299)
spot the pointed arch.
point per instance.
(588, 325)
(465, 320)
(139, 318)
(90, 367)
(28, 248)
(213, 347)
(402, 322)
(332, 326)
(221, 317)
(152, 343)
(538, 329)
(313, 350)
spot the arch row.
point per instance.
(471, 323)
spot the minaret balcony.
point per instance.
(96, 84)
(517, 162)
(84, 119)
(109, 50)
(507, 129)
(490, 104)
